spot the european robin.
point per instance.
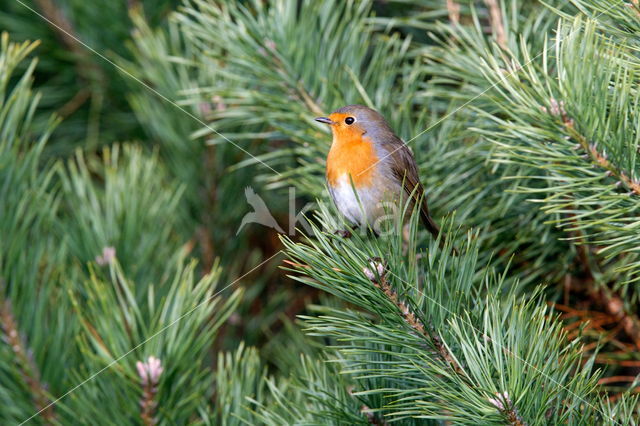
(370, 168)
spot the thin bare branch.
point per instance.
(497, 24)
(453, 9)
(596, 156)
(376, 273)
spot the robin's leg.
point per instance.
(343, 233)
(346, 233)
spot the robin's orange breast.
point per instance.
(354, 156)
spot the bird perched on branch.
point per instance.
(366, 155)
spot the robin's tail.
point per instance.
(432, 226)
(429, 223)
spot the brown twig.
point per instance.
(608, 337)
(616, 379)
(64, 30)
(598, 158)
(612, 303)
(87, 70)
(61, 25)
(209, 195)
(614, 306)
(148, 406)
(514, 418)
(96, 336)
(619, 362)
(74, 103)
(28, 369)
(206, 247)
(497, 26)
(308, 100)
(453, 9)
(377, 275)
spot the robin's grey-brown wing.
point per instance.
(404, 167)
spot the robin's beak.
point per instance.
(325, 120)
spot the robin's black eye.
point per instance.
(349, 120)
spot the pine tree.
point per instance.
(127, 298)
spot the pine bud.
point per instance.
(499, 401)
(107, 257)
(375, 270)
(149, 371)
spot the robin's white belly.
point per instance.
(362, 206)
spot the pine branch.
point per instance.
(178, 320)
(540, 151)
(591, 148)
(601, 159)
(376, 272)
(28, 369)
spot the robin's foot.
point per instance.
(343, 233)
(373, 233)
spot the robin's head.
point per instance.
(354, 121)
